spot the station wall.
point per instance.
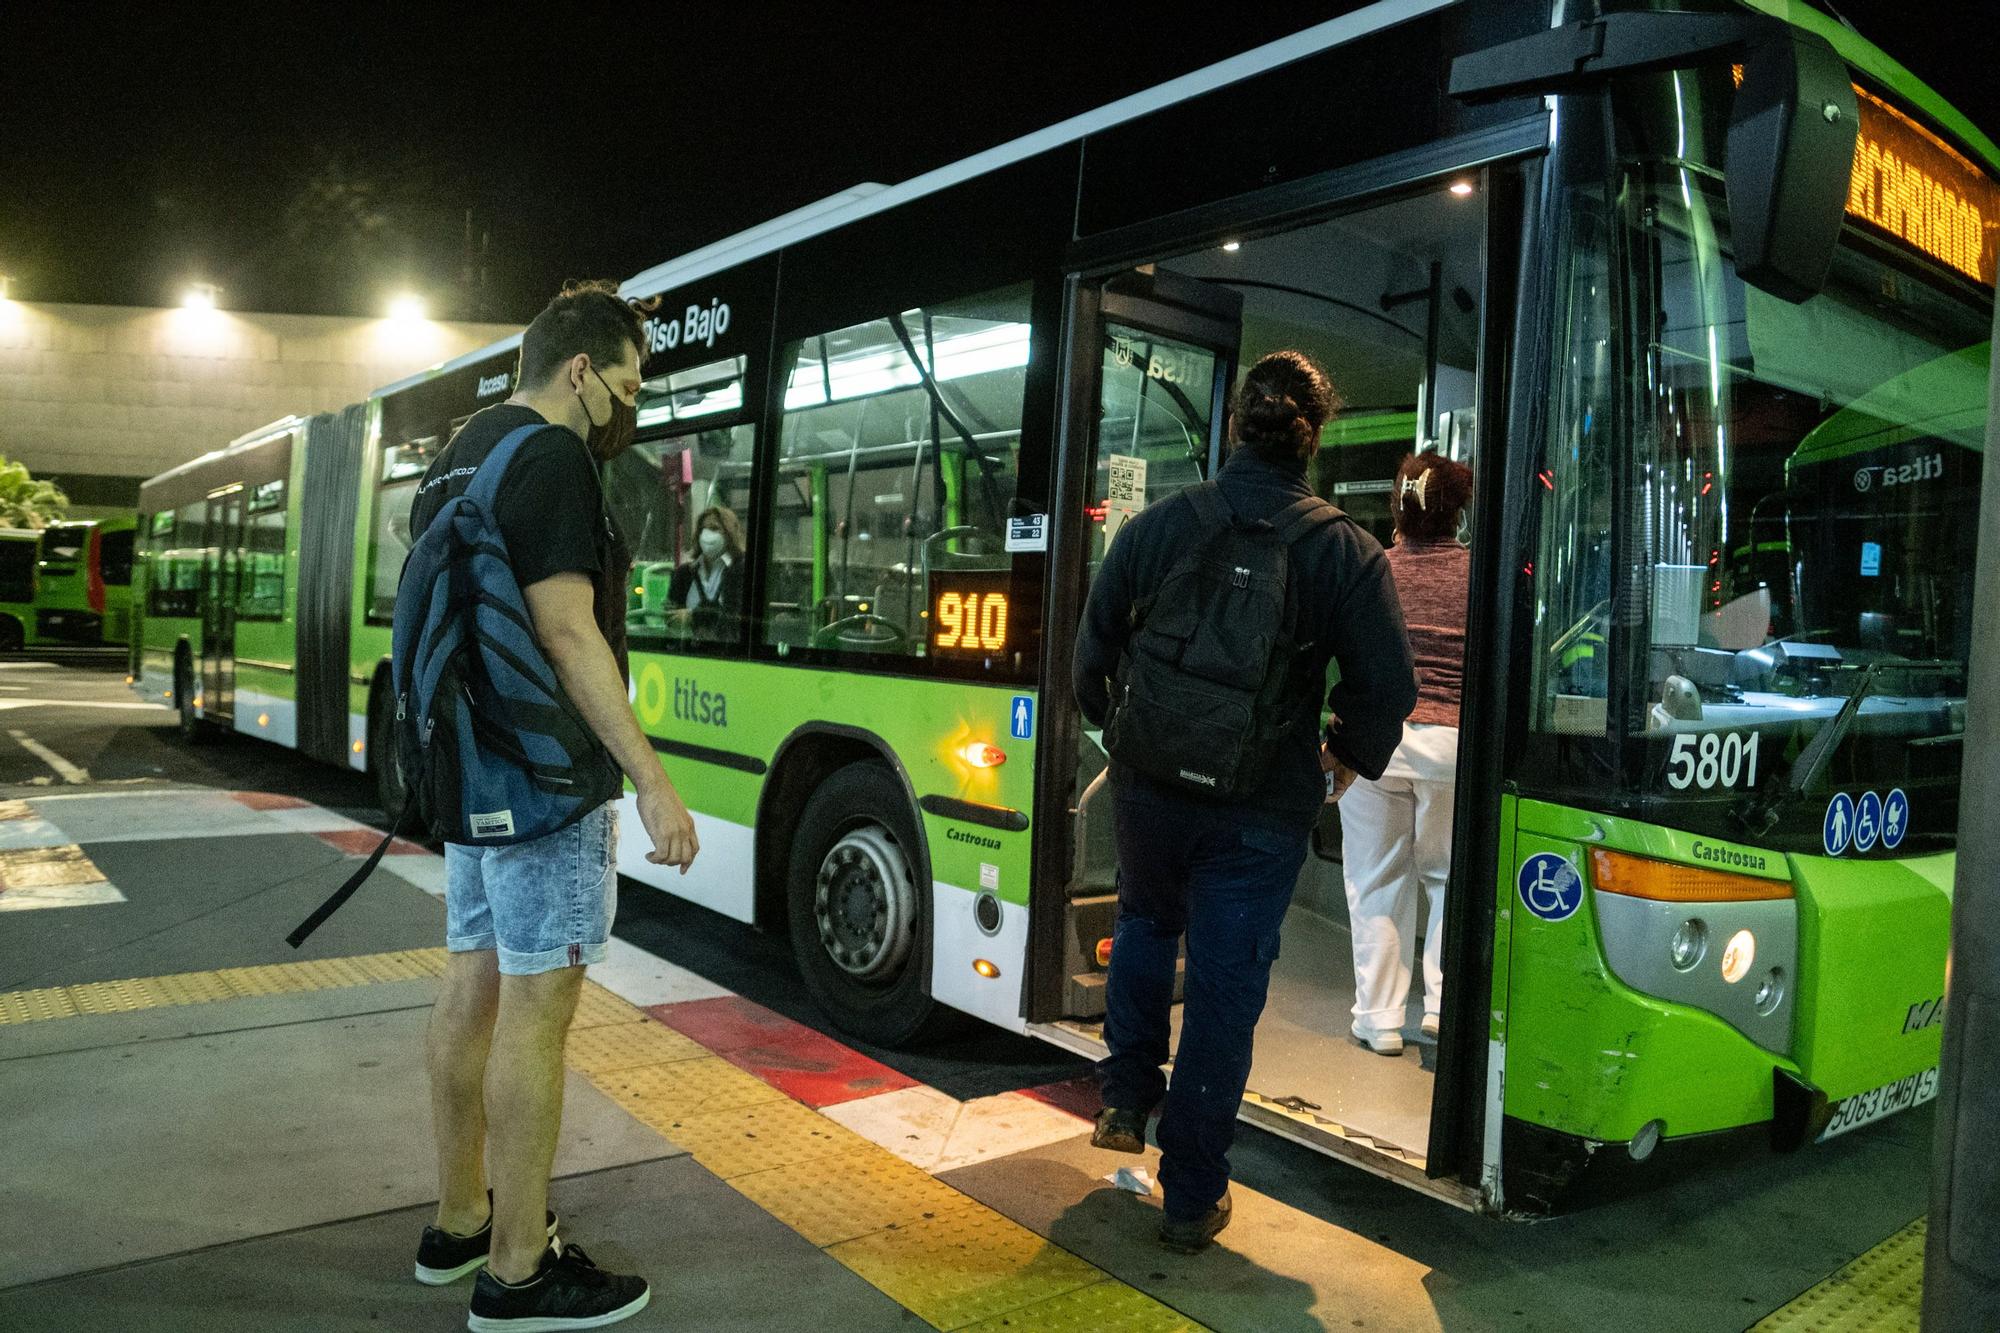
(98, 398)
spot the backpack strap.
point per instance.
(1210, 506)
(486, 479)
(1303, 515)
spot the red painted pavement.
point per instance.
(1078, 1096)
(805, 1065)
(362, 841)
(267, 800)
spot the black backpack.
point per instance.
(1206, 691)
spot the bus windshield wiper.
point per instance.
(1759, 814)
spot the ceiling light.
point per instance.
(1461, 188)
(407, 306)
(1232, 246)
(200, 296)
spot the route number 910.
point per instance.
(972, 621)
(1712, 760)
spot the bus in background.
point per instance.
(85, 593)
(1704, 829)
(20, 553)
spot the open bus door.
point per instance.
(218, 604)
(1394, 299)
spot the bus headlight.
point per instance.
(1688, 946)
(1738, 955)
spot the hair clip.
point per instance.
(1419, 484)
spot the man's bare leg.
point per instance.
(456, 1044)
(524, 1091)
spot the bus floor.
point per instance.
(1306, 1056)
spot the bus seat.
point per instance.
(1095, 858)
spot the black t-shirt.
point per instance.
(550, 508)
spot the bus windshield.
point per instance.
(1795, 525)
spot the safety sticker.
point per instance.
(1837, 828)
(1867, 821)
(1895, 819)
(1550, 886)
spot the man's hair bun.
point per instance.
(1283, 404)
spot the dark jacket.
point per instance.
(1349, 603)
(728, 597)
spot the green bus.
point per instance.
(84, 593)
(20, 553)
(1706, 808)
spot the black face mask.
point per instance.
(614, 436)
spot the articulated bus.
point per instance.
(1722, 540)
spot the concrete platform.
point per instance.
(716, 1262)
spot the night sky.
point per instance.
(316, 166)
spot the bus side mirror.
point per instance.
(1791, 133)
(1791, 156)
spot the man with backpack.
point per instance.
(525, 917)
(1203, 652)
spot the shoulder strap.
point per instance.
(486, 479)
(1301, 516)
(1209, 505)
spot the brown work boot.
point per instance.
(1194, 1237)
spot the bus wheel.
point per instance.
(11, 637)
(391, 792)
(195, 729)
(858, 916)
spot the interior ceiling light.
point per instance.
(1461, 188)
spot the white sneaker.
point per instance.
(1430, 1027)
(1382, 1043)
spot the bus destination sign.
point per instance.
(969, 612)
(1913, 185)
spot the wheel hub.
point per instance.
(865, 904)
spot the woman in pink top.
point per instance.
(1397, 831)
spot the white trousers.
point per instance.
(1395, 835)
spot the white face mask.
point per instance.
(712, 542)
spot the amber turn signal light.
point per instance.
(1670, 882)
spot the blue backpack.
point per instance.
(491, 749)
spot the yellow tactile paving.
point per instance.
(16, 810)
(775, 1133)
(1103, 1307)
(45, 867)
(848, 1195)
(965, 1265)
(606, 1049)
(1881, 1292)
(664, 1095)
(598, 1008)
(129, 994)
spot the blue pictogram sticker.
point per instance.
(1867, 821)
(1895, 819)
(1550, 886)
(1021, 717)
(1837, 829)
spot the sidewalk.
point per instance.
(208, 1130)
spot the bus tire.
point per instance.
(195, 729)
(391, 792)
(859, 919)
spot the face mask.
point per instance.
(614, 435)
(712, 543)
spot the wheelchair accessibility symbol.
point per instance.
(1550, 886)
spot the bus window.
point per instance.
(63, 545)
(658, 491)
(262, 574)
(402, 466)
(17, 570)
(174, 558)
(116, 555)
(896, 472)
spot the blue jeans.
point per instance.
(1225, 884)
(540, 905)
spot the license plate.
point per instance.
(1865, 1108)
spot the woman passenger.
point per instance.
(1397, 831)
(707, 588)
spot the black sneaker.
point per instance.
(1119, 1131)
(443, 1257)
(1193, 1237)
(567, 1291)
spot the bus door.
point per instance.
(1158, 379)
(220, 576)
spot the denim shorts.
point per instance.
(540, 905)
